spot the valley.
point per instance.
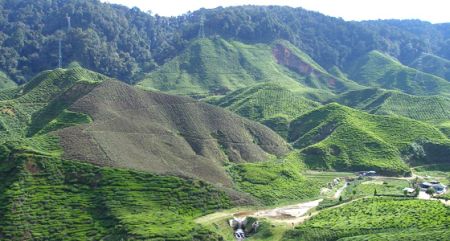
(292, 124)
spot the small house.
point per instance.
(409, 190)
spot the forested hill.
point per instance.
(126, 43)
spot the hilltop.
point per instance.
(377, 69)
(432, 64)
(109, 119)
(215, 66)
(127, 43)
(388, 102)
(341, 138)
(161, 133)
(271, 104)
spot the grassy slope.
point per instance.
(280, 181)
(342, 138)
(45, 198)
(434, 65)
(185, 137)
(216, 67)
(5, 82)
(387, 102)
(21, 108)
(379, 70)
(270, 104)
(377, 215)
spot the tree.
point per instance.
(431, 191)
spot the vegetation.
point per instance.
(385, 216)
(382, 187)
(215, 66)
(380, 70)
(46, 198)
(280, 181)
(127, 43)
(5, 82)
(341, 138)
(271, 104)
(433, 64)
(432, 109)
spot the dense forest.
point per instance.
(126, 43)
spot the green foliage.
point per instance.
(341, 138)
(279, 181)
(433, 64)
(5, 82)
(29, 108)
(373, 216)
(380, 187)
(271, 104)
(46, 198)
(216, 66)
(385, 102)
(380, 70)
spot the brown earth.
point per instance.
(165, 134)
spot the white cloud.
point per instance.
(435, 11)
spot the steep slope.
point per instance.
(270, 104)
(20, 108)
(161, 133)
(379, 70)
(341, 138)
(387, 102)
(118, 125)
(216, 66)
(5, 82)
(46, 198)
(309, 72)
(433, 64)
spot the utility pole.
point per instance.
(59, 53)
(69, 25)
(201, 31)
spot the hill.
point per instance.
(341, 138)
(377, 219)
(216, 66)
(110, 123)
(380, 70)
(5, 82)
(45, 198)
(126, 43)
(386, 102)
(270, 104)
(433, 64)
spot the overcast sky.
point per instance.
(435, 11)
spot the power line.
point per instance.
(201, 31)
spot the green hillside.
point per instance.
(5, 82)
(341, 138)
(270, 104)
(46, 198)
(20, 108)
(380, 70)
(433, 64)
(392, 219)
(216, 66)
(386, 102)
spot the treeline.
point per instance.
(126, 43)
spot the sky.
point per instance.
(435, 11)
